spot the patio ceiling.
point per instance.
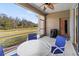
(36, 7)
(31, 8)
(57, 7)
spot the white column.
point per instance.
(72, 25)
(40, 25)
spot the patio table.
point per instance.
(33, 48)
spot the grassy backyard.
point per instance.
(13, 37)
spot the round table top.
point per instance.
(33, 48)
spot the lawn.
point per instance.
(13, 37)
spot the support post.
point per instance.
(45, 25)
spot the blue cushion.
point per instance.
(1, 51)
(60, 41)
(53, 48)
(32, 36)
(58, 51)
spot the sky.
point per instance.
(14, 11)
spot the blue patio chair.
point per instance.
(59, 45)
(1, 51)
(32, 36)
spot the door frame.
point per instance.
(66, 18)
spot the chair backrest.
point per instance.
(1, 51)
(60, 41)
(32, 36)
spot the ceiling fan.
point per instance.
(47, 5)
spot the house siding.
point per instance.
(53, 20)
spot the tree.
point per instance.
(12, 23)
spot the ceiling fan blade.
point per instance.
(51, 6)
(41, 5)
(44, 8)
